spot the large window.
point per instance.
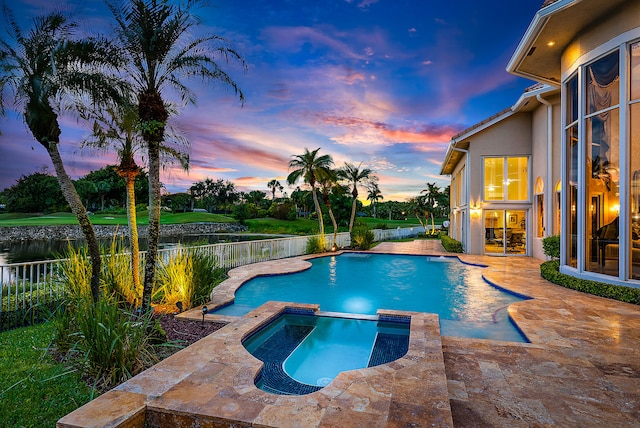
(634, 155)
(539, 191)
(601, 128)
(506, 179)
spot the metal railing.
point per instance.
(31, 290)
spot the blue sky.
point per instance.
(382, 82)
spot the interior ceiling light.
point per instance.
(551, 43)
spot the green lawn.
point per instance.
(55, 219)
(35, 390)
(300, 226)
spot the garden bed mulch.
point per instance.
(186, 332)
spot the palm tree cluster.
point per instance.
(122, 85)
(431, 202)
(318, 173)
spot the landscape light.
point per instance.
(204, 312)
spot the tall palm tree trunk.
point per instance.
(154, 223)
(353, 211)
(71, 195)
(132, 220)
(318, 211)
(335, 225)
(327, 202)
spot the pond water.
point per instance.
(28, 251)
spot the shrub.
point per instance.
(283, 211)
(117, 276)
(75, 270)
(243, 212)
(362, 237)
(174, 281)
(381, 226)
(450, 244)
(551, 246)
(114, 344)
(315, 245)
(206, 275)
(551, 272)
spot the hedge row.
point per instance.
(450, 244)
(551, 272)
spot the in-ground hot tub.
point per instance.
(303, 352)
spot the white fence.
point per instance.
(28, 289)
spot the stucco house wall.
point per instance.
(511, 138)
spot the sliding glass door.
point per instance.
(505, 232)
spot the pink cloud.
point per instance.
(386, 133)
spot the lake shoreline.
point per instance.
(64, 232)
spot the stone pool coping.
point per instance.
(581, 369)
(211, 384)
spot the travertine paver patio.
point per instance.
(581, 369)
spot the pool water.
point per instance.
(357, 283)
(313, 350)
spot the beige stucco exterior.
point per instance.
(521, 131)
(564, 38)
(605, 29)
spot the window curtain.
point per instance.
(602, 80)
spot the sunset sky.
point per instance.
(382, 82)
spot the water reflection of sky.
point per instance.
(364, 283)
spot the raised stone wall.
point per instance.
(22, 233)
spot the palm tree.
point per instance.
(329, 184)
(430, 196)
(355, 177)
(418, 207)
(274, 185)
(155, 37)
(117, 126)
(311, 168)
(44, 69)
(374, 195)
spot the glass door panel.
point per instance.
(505, 232)
(516, 232)
(494, 232)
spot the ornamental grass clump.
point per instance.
(75, 273)
(117, 275)
(362, 237)
(206, 275)
(315, 245)
(113, 344)
(174, 280)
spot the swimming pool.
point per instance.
(304, 352)
(359, 283)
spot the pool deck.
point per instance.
(581, 369)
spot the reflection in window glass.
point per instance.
(603, 193)
(572, 194)
(493, 179)
(634, 194)
(635, 71)
(572, 100)
(603, 83)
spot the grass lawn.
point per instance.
(299, 226)
(35, 390)
(54, 219)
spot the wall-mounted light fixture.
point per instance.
(476, 209)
